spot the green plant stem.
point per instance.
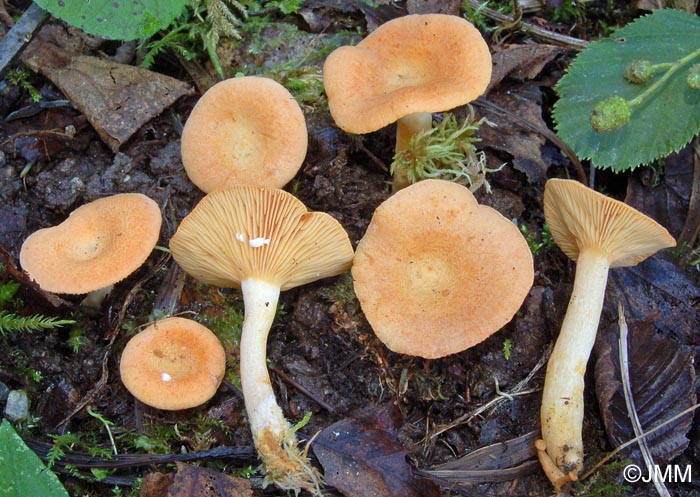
(673, 68)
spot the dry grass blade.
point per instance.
(629, 400)
(519, 389)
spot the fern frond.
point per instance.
(12, 322)
(222, 21)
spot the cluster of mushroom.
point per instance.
(243, 141)
(427, 272)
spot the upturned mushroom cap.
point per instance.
(579, 217)
(99, 244)
(173, 364)
(244, 232)
(247, 130)
(437, 273)
(415, 63)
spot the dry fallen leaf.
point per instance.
(521, 62)
(195, 481)
(501, 461)
(116, 99)
(361, 457)
(662, 379)
(519, 111)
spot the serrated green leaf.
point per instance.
(21, 471)
(116, 19)
(663, 123)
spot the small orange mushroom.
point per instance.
(99, 244)
(175, 363)
(598, 233)
(263, 240)
(246, 130)
(404, 71)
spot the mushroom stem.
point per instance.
(275, 440)
(406, 128)
(562, 399)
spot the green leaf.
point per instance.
(663, 122)
(116, 19)
(21, 471)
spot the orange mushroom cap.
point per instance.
(99, 244)
(415, 63)
(246, 130)
(245, 231)
(175, 363)
(437, 273)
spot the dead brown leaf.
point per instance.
(450, 7)
(502, 461)
(521, 62)
(361, 457)
(519, 112)
(195, 481)
(116, 99)
(662, 380)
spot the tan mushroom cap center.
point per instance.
(87, 245)
(247, 130)
(431, 277)
(99, 244)
(414, 63)
(174, 364)
(437, 273)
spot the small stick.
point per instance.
(303, 390)
(21, 34)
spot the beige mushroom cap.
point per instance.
(175, 363)
(579, 217)
(247, 130)
(99, 244)
(437, 273)
(245, 232)
(415, 63)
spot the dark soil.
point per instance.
(321, 342)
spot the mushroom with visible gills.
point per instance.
(402, 72)
(598, 233)
(263, 240)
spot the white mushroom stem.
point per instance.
(275, 441)
(406, 128)
(562, 399)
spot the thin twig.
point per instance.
(303, 390)
(623, 446)
(531, 29)
(518, 389)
